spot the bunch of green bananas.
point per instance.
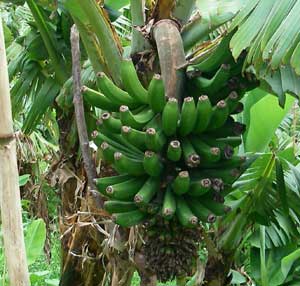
(173, 159)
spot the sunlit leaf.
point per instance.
(265, 116)
(35, 236)
(24, 179)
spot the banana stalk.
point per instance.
(171, 56)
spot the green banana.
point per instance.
(201, 212)
(234, 162)
(152, 164)
(199, 188)
(238, 109)
(169, 205)
(147, 192)
(232, 101)
(188, 116)
(107, 152)
(184, 213)
(219, 198)
(219, 115)
(227, 150)
(156, 94)
(112, 124)
(119, 206)
(125, 191)
(130, 218)
(229, 129)
(124, 147)
(91, 121)
(206, 152)
(97, 99)
(128, 165)
(129, 148)
(213, 85)
(217, 184)
(103, 183)
(191, 157)
(155, 123)
(216, 208)
(181, 184)
(137, 121)
(220, 55)
(174, 151)
(232, 141)
(114, 93)
(228, 176)
(204, 113)
(154, 140)
(134, 137)
(132, 83)
(170, 117)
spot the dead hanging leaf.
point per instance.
(94, 204)
(163, 9)
(71, 187)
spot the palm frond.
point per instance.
(44, 98)
(123, 27)
(258, 195)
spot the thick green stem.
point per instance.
(183, 10)
(171, 56)
(138, 43)
(56, 59)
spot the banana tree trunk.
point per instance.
(11, 214)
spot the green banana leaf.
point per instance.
(281, 263)
(268, 29)
(117, 4)
(208, 16)
(35, 236)
(44, 99)
(257, 194)
(263, 115)
(100, 40)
